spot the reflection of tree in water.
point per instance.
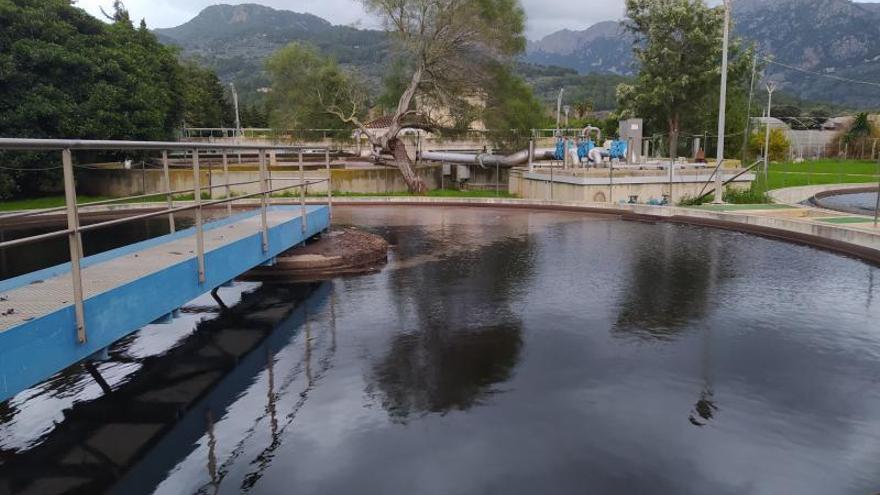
(670, 284)
(704, 410)
(439, 370)
(468, 339)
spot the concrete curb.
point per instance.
(794, 196)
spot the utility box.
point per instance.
(447, 169)
(462, 173)
(631, 132)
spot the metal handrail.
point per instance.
(128, 198)
(94, 145)
(74, 230)
(146, 216)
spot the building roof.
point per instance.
(771, 121)
(382, 122)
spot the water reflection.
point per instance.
(670, 282)
(439, 370)
(447, 359)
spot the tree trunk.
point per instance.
(405, 165)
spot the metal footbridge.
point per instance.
(58, 316)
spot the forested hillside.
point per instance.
(65, 74)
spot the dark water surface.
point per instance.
(862, 203)
(515, 352)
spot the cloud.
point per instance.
(544, 16)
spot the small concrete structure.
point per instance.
(618, 185)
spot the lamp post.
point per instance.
(722, 107)
(237, 132)
(559, 109)
(771, 87)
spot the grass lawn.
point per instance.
(816, 172)
(820, 172)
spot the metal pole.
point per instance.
(264, 199)
(237, 115)
(200, 227)
(877, 206)
(551, 181)
(610, 181)
(722, 107)
(749, 110)
(771, 86)
(75, 244)
(302, 194)
(168, 197)
(329, 184)
(531, 155)
(226, 179)
(559, 109)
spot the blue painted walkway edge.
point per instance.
(54, 271)
(35, 350)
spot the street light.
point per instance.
(559, 109)
(771, 87)
(722, 107)
(235, 103)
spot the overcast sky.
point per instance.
(544, 16)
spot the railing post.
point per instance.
(200, 227)
(302, 194)
(531, 155)
(877, 206)
(75, 244)
(264, 199)
(168, 196)
(226, 178)
(329, 184)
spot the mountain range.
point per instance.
(834, 38)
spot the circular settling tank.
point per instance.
(508, 351)
(862, 203)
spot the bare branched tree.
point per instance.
(451, 46)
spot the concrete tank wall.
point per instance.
(605, 190)
(380, 180)
(116, 182)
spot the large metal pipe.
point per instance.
(487, 159)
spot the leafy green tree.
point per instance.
(678, 46)
(393, 85)
(305, 85)
(254, 116)
(65, 74)
(779, 144)
(511, 108)
(205, 101)
(860, 128)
